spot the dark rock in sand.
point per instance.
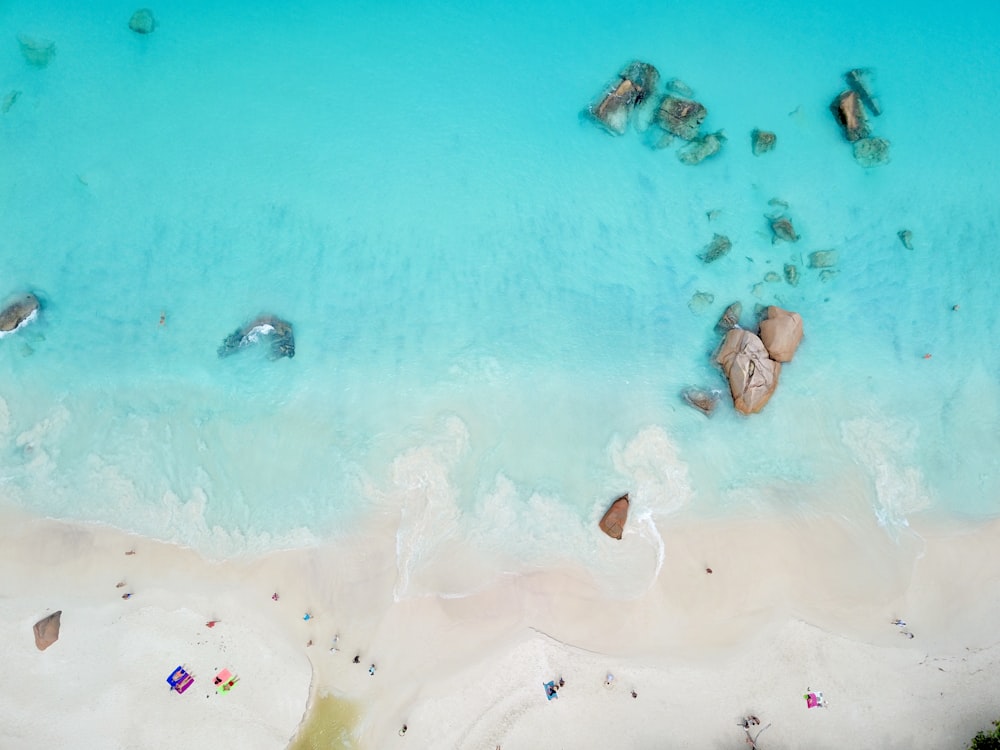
(792, 274)
(871, 152)
(635, 82)
(781, 333)
(47, 630)
(702, 400)
(613, 522)
(906, 237)
(38, 52)
(782, 229)
(762, 141)
(730, 318)
(701, 148)
(16, 313)
(823, 259)
(752, 374)
(859, 80)
(280, 331)
(847, 110)
(142, 21)
(719, 246)
(682, 117)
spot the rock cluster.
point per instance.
(751, 362)
(762, 141)
(849, 110)
(676, 114)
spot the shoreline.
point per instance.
(789, 605)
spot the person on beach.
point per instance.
(307, 616)
(371, 670)
(357, 658)
(130, 552)
(211, 623)
(608, 680)
(336, 639)
(635, 694)
(561, 682)
(127, 596)
(274, 596)
(119, 584)
(402, 730)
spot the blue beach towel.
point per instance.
(550, 689)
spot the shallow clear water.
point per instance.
(490, 295)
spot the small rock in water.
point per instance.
(827, 274)
(664, 140)
(682, 117)
(778, 203)
(730, 318)
(906, 237)
(791, 274)
(677, 86)
(859, 81)
(700, 302)
(719, 246)
(823, 259)
(38, 52)
(713, 214)
(142, 21)
(772, 276)
(847, 111)
(762, 141)
(871, 152)
(8, 101)
(703, 400)
(782, 229)
(700, 149)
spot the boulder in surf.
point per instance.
(781, 333)
(277, 330)
(613, 522)
(634, 84)
(47, 630)
(752, 374)
(18, 313)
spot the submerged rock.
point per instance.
(762, 141)
(871, 152)
(682, 117)
(8, 100)
(18, 313)
(752, 374)
(634, 83)
(700, 302)
(782, 229)
(792, 274)
(47, 630)
(730, 318)
(781, 333)
(859, 81)
(38, 52)
(701, 148)
(847, 111)
(282, 343)
(142, 21)
(772, 277)
(719, 246)
(613, 522)
(677, 86)
(823, 259)
(906, 237)
(702, 400)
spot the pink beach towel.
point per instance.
(811, 700)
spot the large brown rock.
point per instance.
(751, 373)
(781, 333)
(47, 630)
(613, 522)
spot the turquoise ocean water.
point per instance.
(490, 295)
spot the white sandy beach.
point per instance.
(781, 612)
